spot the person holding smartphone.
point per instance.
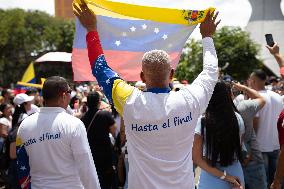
(274, 49)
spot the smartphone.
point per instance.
(269, 39)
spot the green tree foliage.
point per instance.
(233, 46)
(26, 35)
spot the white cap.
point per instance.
(21, 98)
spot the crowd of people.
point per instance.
(151, 135)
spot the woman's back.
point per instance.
(98, 137)
(221, 128)
(217, 146)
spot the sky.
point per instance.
(232, 12)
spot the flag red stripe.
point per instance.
(120, 61)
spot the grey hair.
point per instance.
(156, 56)
(156, 64)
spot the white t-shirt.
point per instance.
(58, 151)
(160, 129)
(267, 134)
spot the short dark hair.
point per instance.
(53, 86)
(260, 74)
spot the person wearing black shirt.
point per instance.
(99, 124)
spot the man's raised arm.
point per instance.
(203, 86)
(275, 51)
(116, 90)
(103, 73)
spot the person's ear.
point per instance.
(142, 77)
(172, 74)
(63, 96)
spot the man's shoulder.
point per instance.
(28, 122)
(29, 118)
(273, 94)
(70, 119)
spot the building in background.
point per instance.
(63, 9)
(267, 17)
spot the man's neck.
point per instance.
(157, 85)
(54, 105)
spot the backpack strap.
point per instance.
(89, 126)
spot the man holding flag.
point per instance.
(159, 123)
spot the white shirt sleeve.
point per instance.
(198, 127)
(201, 90)
(83, 158)
(87, 171)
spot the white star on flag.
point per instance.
(165, 37)
(108, 81)
(156, 30)
(144, 26)
(23, 168)
(133, 29)
(116, 75)
(117, 43)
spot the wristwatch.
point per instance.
(224, 175)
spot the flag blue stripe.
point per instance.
(135, 35)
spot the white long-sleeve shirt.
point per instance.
(160, 127)
(162, 157)
(53, 149)
(159, 124)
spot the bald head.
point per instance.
(156, 65)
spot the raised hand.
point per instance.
(273, 50)
(86, 16)
(208, 27)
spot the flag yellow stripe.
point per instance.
(30, 85)
(104, 12)
(18, 141)
(131, 11)
(29, 73)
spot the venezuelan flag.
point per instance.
(29, 80)
(29, 75)
(127, 31)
